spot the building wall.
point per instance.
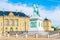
(13, 23)
(47, 25)
(1, 24)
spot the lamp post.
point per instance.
(3, 22)
(25, 26)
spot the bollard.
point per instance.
(26, 35)
(36, 35)
(48, 36)
(8, 35)
(16, 35)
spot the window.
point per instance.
(33, 24)
(16, 22)
(6, 23)
(20, 24)
(16, 29)
(6, 29)
(11, 22)
(11, 29)
(0, 24)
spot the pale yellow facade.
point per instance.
(13, 23)
(47, 25)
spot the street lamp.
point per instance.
(3, 21)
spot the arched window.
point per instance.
(16, 29)
(16, 22)
(11, 22)
(11, 29)
(6, 22)
(6, 29)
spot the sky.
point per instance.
(47, 8)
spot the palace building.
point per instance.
(13, 22)
(47, 25)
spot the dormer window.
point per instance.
(11, 14)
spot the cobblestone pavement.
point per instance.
(28, 38)
(56, 37)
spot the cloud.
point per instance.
(53, 15)
(19, 7)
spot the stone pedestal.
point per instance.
(36, 24)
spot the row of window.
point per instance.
(11, 29)
(11, 24)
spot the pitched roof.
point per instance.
(21, 14)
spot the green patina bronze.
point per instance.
(36, 10)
